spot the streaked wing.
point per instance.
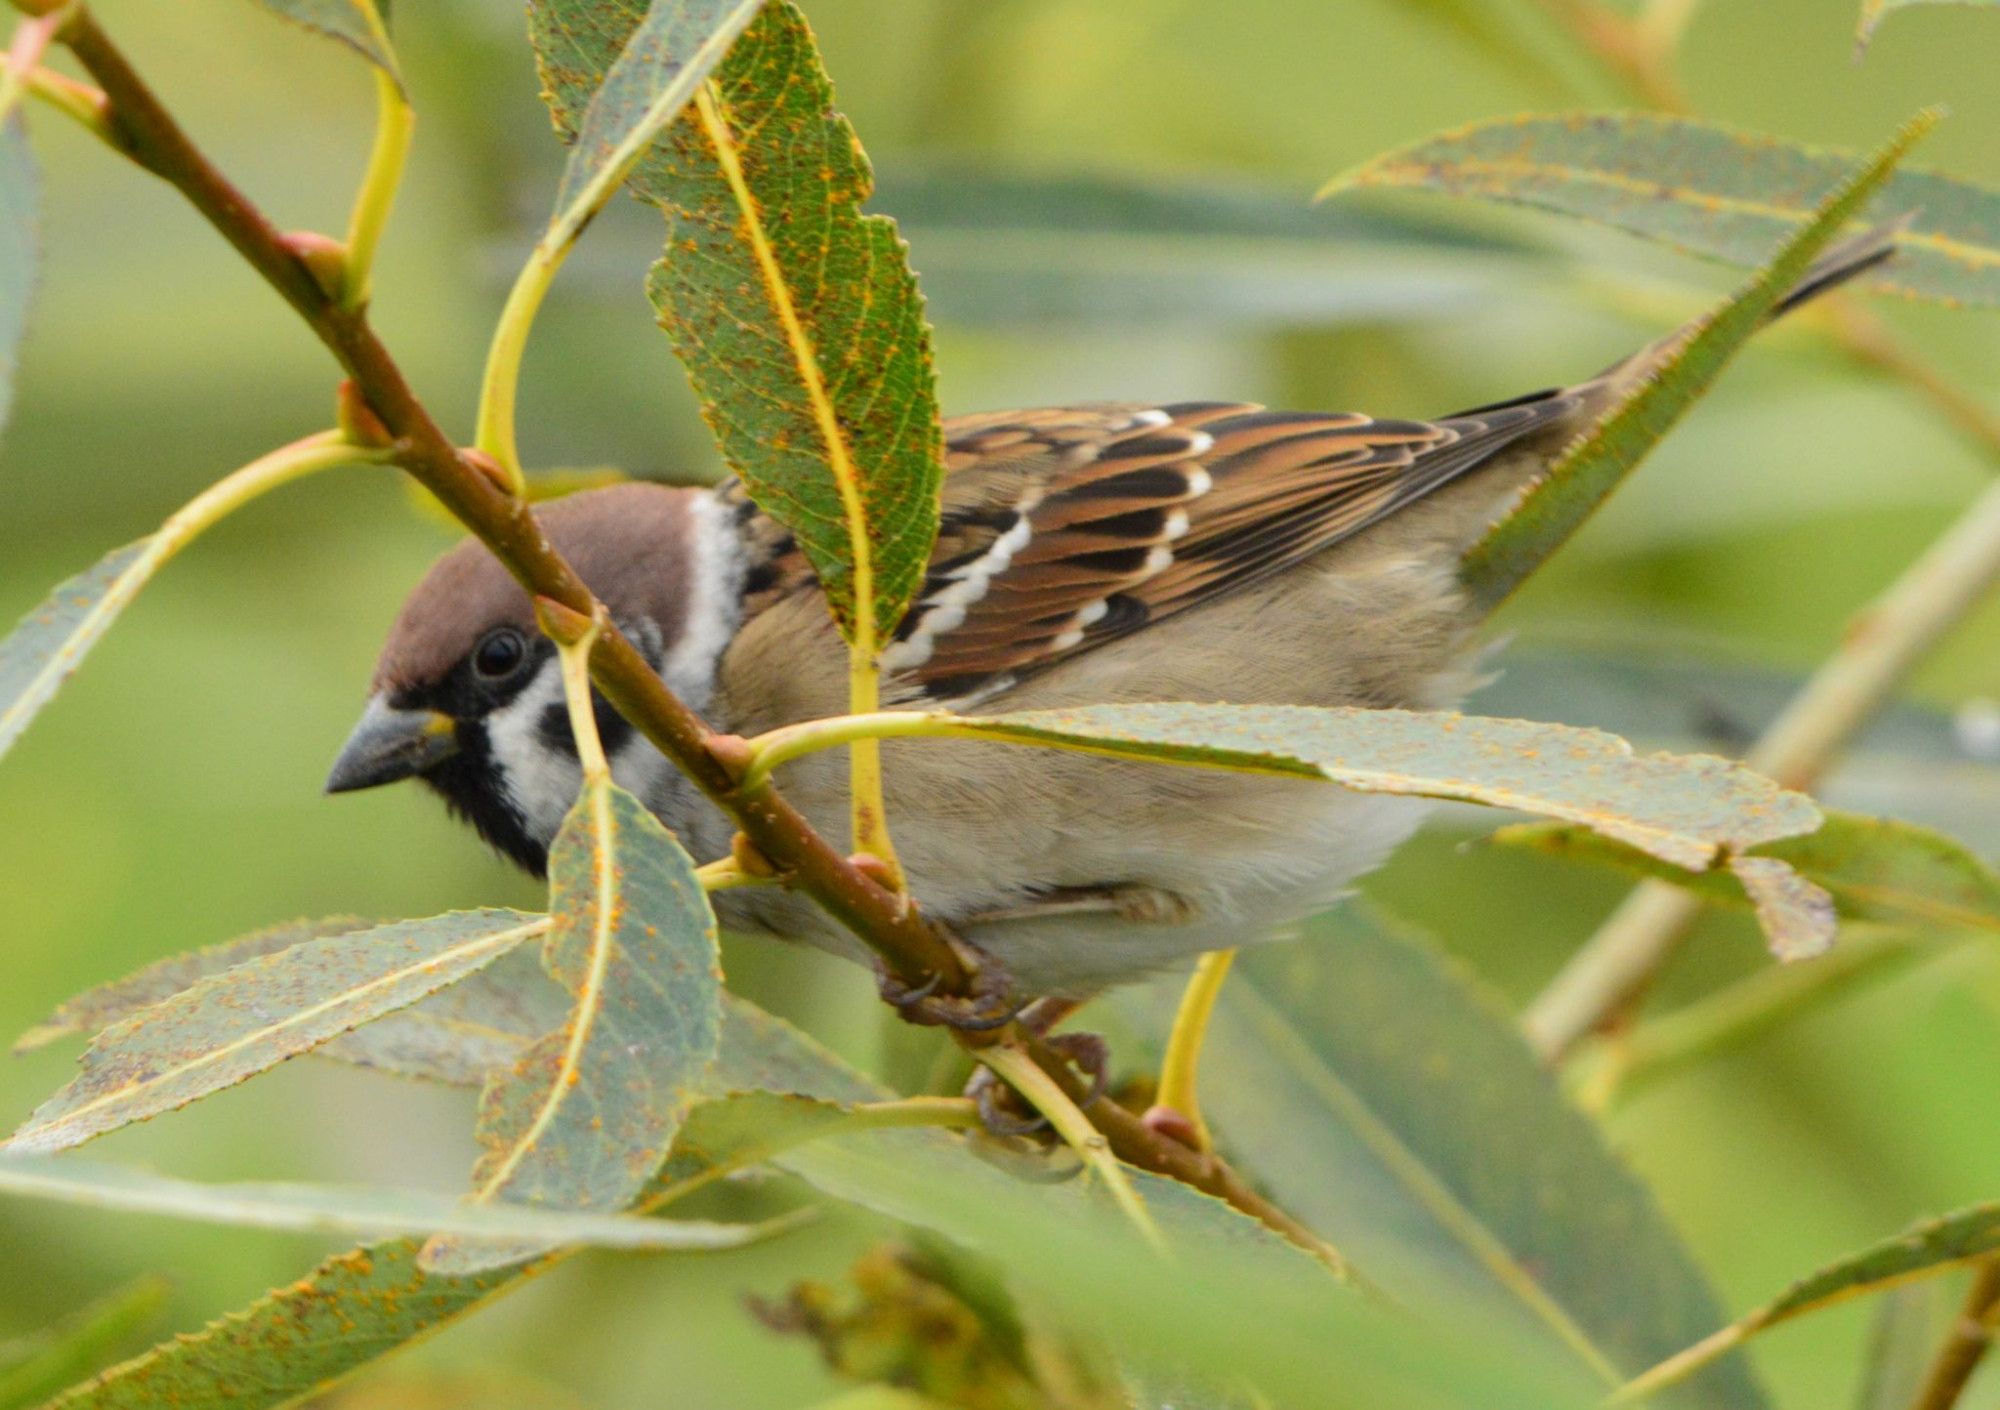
(1065, 528)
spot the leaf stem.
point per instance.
(1021, 1072)
(867, 801)
(1879, 649)
(494, 431)
(395, 122)
(575, 648)
(1179, 1071)
(78, 101)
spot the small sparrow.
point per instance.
(1192, 551)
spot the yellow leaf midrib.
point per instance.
(778, 293)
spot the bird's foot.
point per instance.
(987, 1006)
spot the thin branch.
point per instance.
(478, 498)
(1965, 1345)
(395, 124)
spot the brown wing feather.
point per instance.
(1068, 527)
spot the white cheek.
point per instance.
(540, 782)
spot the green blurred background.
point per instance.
(171, 796)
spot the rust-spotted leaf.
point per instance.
(796, 316)
(1666, 382)
(1875, 869)
(235, 1024)
(1707, 189)
(587, 1113)
(355, 23)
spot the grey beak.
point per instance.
(390, 745)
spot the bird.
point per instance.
(1205, 551)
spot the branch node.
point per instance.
(487, 466)
(733, 752)
(324, 257)
(750, 858)
(357, 419)
(564, 624)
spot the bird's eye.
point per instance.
(499, 654)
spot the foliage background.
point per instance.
(171, 797)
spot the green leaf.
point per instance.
(1876, 869)
(237, 1023)
(1690, 811)
(20, 202)
(363, 1304)
(1383, 1097)
(1706, 189)
(671, 53)
(1873, 12)
(1301, 1336)
(796, 316)
(352, 1209)
(1924, 1250)
(99, 1008)
(1661, 390)
(587, 1113)
(355, 23)
(52, 640)
(37, 1366)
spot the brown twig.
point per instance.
(466, 483)
(1965, 1345)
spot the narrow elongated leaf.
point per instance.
(1339, 1351)
(252, 1017)
(355, 23)
(1690, 811)
(586, 1115)
(35, 1367)
(1873, 12)
(796, 316)
(671, 53)
(1876, 869)
(1707, 189)
(363, 1304)
(349, 1209)
(99, 1008)
(1597, 463)
(1921, 1251)
(20, 201)
(1385, 1099)
(51, 641)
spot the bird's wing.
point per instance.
(1068, 527)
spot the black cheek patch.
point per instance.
(554, 733)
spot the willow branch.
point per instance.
(1880, 648)
(1965, 1345)
(469, 486)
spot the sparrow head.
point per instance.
(468, 695)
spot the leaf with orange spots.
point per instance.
(1707, 189)
(1690, 811)
(235, 1024)
(796, 316)
(586, 1114)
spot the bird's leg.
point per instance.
(999, 1109)
(988, 1006)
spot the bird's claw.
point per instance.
(992, 1098)
(989, 1005)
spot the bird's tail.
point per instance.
(1853, 256)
